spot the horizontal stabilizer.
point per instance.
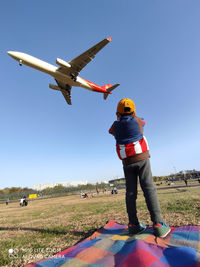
(54, 87)
(67, 95)
(105, 95)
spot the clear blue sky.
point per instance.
(154, 55)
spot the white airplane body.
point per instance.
(66, 75)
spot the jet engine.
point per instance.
(54, 87)
(62, 63)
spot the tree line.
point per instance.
(14, 193)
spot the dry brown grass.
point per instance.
(61, 222)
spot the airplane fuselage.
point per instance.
(33, 62)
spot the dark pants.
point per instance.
(141, 169)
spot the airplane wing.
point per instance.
(66, 91)
(78, 63)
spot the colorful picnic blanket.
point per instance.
(112, 246)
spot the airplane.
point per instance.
(66, 75)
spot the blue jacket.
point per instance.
(131, 145)
(127, 129)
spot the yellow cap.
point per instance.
(126, 106)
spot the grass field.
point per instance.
(47, 226)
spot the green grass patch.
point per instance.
(182, 205)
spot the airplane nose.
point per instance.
(14, 54)
(11, 53)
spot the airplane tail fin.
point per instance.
(109, 88)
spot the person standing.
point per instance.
(132, 148)
(186, 182)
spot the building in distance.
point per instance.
(40, 187)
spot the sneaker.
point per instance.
(136, 229)
(161, 229)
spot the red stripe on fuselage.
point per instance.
(96, 88)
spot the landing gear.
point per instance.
(73, 77)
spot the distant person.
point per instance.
(132, 149)
(115, 190)
(21, 203)
(186, 182)
(7, 202)
(25, 201)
